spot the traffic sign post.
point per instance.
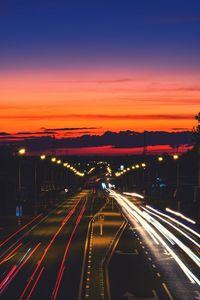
(19, 213)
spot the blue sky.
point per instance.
(49, 33)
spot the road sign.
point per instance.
(18, 211)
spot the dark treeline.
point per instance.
(170, 182)
(33, 183)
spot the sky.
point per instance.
(96, 66)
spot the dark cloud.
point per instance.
(4, 133)
(9, 137)
(180, 128)
(123, 139)
(69, 129)
(136, 117)
(37, 132)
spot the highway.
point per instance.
(154, 257)
(171, 249)
(43, 259)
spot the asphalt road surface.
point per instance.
(154, 260)
(44, 260)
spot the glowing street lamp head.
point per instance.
(143, 165)
(53, 159)
(175, 156)
(43, 156)
(160, 158)
(59, 162)
(22, 151)
(137, 166)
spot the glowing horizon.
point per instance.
(98, 67)
(110, 101)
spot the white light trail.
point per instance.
(134, 212)
(175, 221)
(134, 195)
(175, 227)
(178, 214)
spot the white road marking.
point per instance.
(167, 291)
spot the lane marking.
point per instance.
(154, 266)
(167, 291)
(155, 295)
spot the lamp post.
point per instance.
(197, 142)
(53, 160)
(21, 152)
(42, 158)
(176, 157)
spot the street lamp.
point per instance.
(43, 157)
(43, 186)
(21, 152)
(160, 158)
(176, 158)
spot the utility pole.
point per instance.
(145, 143)
(197, 142)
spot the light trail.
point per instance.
(8, 276)
(10, 254)
(62, 267)
(17, 269)
(19, 230)
(175, 227)
(178, 214)
(36, 281)
(171, 236)
(175, 221)
(135, 212)
(58, 282)
(134, 195)
(47, 249)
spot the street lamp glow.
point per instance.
(59, 162)
(22, 151)
(53, 159)
(175, 156)
(137, 166)
(43, 156)
(160, 158)
(65, 164)
(143, 165)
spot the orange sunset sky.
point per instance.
(73, 68)
(107, 100)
